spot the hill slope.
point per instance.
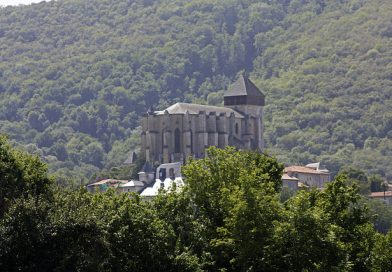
(330, 88)
(76, 75)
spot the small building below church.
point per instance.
(311, 175)
(185, 130)
(290, 182)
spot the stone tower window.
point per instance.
(191, 140)
(163, 140)
(177, 141)
(236, 128)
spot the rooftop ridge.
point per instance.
(182, 108)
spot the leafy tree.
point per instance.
(341, 203)
(21, 175)
(381, 214)
(63, 234)
(382, 253)
(35, 121)
(139, 240)
(359, 177)
(236, 192)
(189, 227)
(376, 183)
(228, 217)
(326, 230)
(304, 239)
(93, 153)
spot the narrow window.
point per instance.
(163, 140)
(162, 174)
(236, 128)
(191, 141)
(171, 173)
(177, 141)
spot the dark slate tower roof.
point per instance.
(243, 86)
(243, 92)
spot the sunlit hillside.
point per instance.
(76, 75)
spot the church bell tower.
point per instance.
(244, 97)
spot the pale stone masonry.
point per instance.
(184, 130)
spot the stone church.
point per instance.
(183, 130)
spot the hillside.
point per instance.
(330, 89)
(76, 75)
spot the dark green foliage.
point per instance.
(236, 192)
(359, 178)
(245, 228)
(189, 227)
(21, 175)
(365, 183)
(381, 215)
(227, 218)
(42, 229)
(329, 86)
(78, 231)
(377, 184)
(137, 239)
(47, 236)
(383, 253)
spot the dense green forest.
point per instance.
(75, 75)
(227, 218)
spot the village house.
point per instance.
(290, 182)
(105, 184)
(310, 175)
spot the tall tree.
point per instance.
(21, 175)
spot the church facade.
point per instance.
(185, 130)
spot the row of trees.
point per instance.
(227, 218)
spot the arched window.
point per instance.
(177, 141)
(236, 128)
(171, 173)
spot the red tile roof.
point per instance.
(303, 169)
(108, 181)
(381, 194)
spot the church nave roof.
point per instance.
(182, 108)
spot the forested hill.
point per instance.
(75, 75)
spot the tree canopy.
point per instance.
(228, 217)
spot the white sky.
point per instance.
(17, 2)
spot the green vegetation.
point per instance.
(227, 218)
(329, 86)
(75, 75)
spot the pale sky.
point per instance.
(17, 2)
